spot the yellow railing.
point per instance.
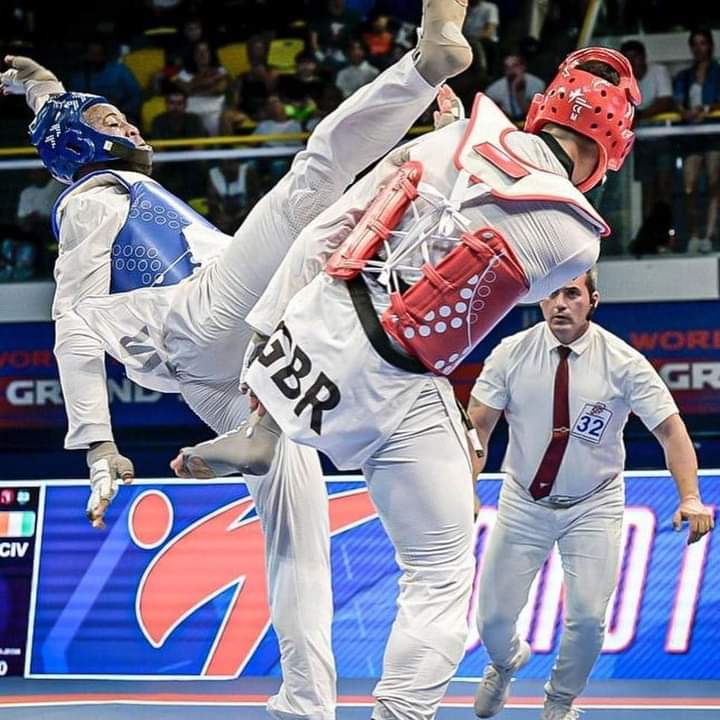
(670, 118)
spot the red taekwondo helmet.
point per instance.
(591, 106)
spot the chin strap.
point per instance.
(141, 158)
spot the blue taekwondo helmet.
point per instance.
(65, 142)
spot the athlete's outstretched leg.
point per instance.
(292, 504)
(364, 128)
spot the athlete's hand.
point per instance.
(254, 348)
(253, 401)
(194, 468)
(449, 109)
(699, 518)
(107, 467)
(22, 70)
(177, 465)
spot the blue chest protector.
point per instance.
(151, 248)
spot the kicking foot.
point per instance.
(248, 450)
(555, 710)
(442, 51)
(494, 688)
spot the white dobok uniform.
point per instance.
(403, 428)
(191, 338)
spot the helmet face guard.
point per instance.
(591, 106)
(65, 141)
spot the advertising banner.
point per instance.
(681, 339)
(175, 587)
(31, 395)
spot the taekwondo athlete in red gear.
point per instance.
(387, 291)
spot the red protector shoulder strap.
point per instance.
(381, 217)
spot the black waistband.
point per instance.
(360, 296)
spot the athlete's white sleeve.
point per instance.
(81, 361)
(89, 223)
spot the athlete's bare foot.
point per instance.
(249, 449)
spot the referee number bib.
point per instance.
(591, 422)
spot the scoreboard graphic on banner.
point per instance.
(18, 522)
(176, 588)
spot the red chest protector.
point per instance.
(442, 316)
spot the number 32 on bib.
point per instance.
(591, 422)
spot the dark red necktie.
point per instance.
(550, 464)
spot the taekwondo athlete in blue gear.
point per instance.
(150, 249)
(190, 337)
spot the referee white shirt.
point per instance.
(607, 380)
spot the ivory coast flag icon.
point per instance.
(17, 523)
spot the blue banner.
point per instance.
(682, 340)
(176, 587)
(31, 395)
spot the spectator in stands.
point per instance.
(329, 36)
(331, 97)
(110, 78)
(541, 58)
(182, 179)
(256, 85)
(277, 122)
(481, 29)
(176, 121)
(180, 51)
(358, 73)
(514, 91)
(192, 33)
(379, 41)
(204, 82)
(654, 80)
(33, 219)
(304, 87)
(697, 90)
(17, 255)
(234, 120)
(654, 159)
(232, 190)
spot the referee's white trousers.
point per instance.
(588, 536)
(206, 340)
(420, 482)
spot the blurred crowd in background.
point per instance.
(190, 70)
